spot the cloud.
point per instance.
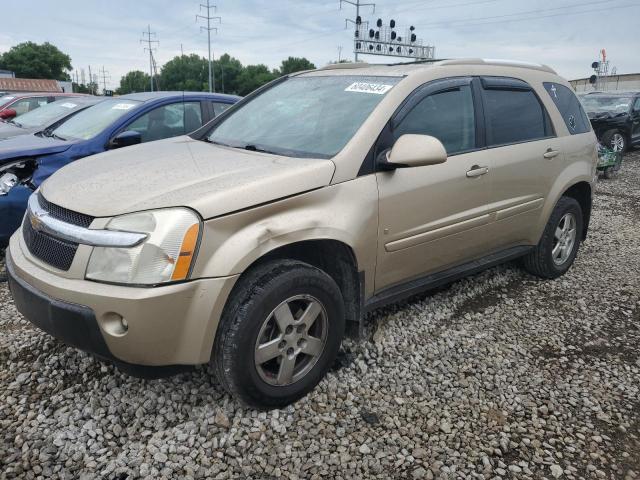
(101, 33)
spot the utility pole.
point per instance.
(91, 82)
(358, 20)
(208, 17)
(148, 40)
(105, 75)
(339, 53)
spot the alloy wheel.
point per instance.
(291, 340)
(617, 142)
(564, 239)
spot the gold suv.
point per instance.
(255, 242)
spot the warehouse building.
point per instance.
(628, 82)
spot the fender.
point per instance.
(230, 244)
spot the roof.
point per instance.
(147, 96)
(402, 69)
(29, 85)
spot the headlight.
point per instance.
(165, 256)
(7, 182)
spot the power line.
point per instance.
(358, 19)
(148, 40)
(540, 13)
(208, 17)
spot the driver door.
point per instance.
(435, 217)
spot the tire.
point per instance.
(249, 320)
(541, 261)
(615, 140)
(611, 172)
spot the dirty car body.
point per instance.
(322, 196)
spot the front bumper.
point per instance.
(169, 325)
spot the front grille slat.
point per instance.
(54, 251)
(68, 216)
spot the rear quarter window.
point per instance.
(569, 107)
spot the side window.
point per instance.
(446, 115)
(168, 121)
(513, 116)
(27, 104)
(219, 107)
(569, 107)
(636, 106)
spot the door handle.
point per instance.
(477, 171)
(551, 153)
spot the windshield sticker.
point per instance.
(122, 106)
(375, 88)
(69, 105)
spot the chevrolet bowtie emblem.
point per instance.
(36, 220)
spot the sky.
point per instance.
(565, 34)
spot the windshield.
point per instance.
(90, 122)
(41, 117)
(304, 116)
(600, 104)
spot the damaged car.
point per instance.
(28, 160)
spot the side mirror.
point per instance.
(126, 139)
(8, 114)
(416, 151)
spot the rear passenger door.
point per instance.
(526, 157)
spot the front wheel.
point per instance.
(615, 140)
(559, 244)
(279, 334)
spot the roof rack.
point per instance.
(498, 62)
(345, 66)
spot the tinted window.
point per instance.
(168, 121)
(448, 116)
(218, 107)
(569, 107)
(513, 116)
(636, 107)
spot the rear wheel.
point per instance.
(279, 334)
(559, 244)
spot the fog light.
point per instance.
(114, 324)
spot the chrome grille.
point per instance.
(57, 253)
(63, 214)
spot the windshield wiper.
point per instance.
(50, 134)
(254, 148)
(17, 124)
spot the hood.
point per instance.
(30, 146)
(212, 179)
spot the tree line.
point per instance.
(182, 73)
(191, 73)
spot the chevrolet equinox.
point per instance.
(254, 243)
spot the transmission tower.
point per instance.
(105, 76)
(209, 18)
(358, 20)
(149, 39)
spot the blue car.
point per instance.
(28, 160)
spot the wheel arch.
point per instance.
(334, 257)
(582, 193)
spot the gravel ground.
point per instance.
(497, 376)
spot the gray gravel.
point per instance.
(497, 376)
